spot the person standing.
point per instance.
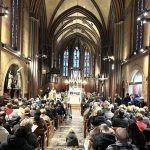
(127, 99)
(118, 99)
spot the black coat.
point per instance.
(32, 139)
(120, 122)
(72, 140)
(126, 100)
(15, 143)
(102, 140)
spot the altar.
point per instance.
(75, 88)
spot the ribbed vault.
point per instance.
(87, 21)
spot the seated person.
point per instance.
(146, 133)
(139, 121)
(39, 121)
(120, 120)
(17, 141)
(104, 138)
(44, 116)
(71, 139)
(122, 142)
(31, 137)
(50, 111)
(136, 135)
(9, 111)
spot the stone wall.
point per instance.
(7, 55)
(128, 70)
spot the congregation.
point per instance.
(111, 126)
(124, 125)
(28, 124)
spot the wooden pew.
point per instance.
(52, 126)
(56, 121)
(43, 137)
(85, 127)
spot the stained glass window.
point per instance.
(86, 63)
(65, 63)
(15, 23)
(139, 26)
(76, 57)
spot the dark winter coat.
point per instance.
(120, 122)
(102, 140)
(15, 143)
(71, 139)
(126, 100)
(32, 139)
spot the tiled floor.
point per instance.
(58, 141)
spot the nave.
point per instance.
(78, 52)
(58, 141)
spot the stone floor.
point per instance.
(58, 141)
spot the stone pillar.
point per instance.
(33, 46)
(118, 48)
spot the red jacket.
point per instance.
(141, 125)
(9, 111)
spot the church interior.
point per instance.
(98, 48)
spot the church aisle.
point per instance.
(58, 141)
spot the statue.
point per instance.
(14, 82)
(18, 78)
(10, 80)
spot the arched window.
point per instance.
(135, 86)
(15, 23)
(65, 63)
(139, 26)
(76, 57)
(86, 63)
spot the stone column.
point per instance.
(33, 46)
(118, 48)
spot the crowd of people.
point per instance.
(20, 118)
(123, 125)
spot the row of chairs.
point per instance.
(45, 136)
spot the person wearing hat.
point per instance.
(3, 132)
(122, 142)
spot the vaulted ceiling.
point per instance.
(86, 21)
(71, 19)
